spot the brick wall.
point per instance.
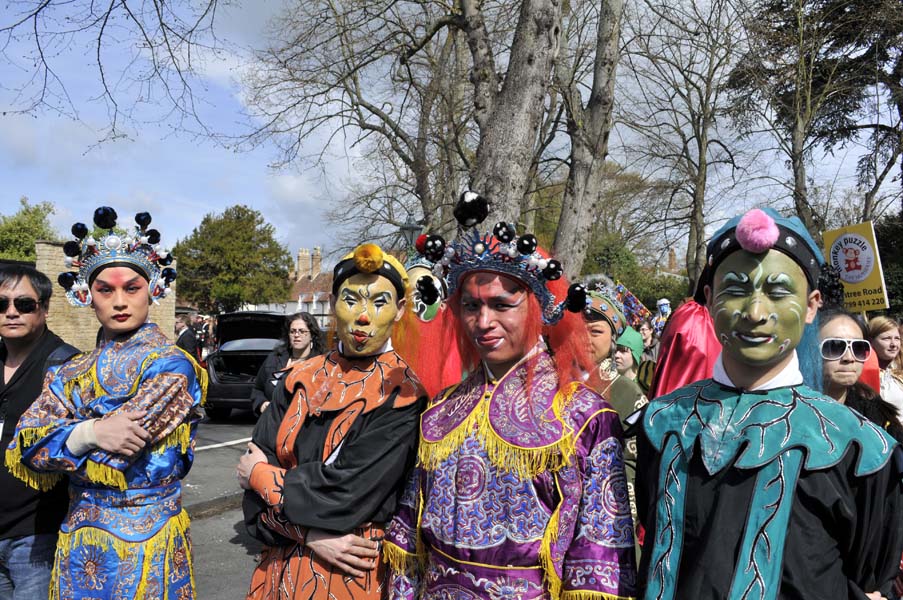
(78, 326)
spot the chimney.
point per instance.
(303, 263)
(672, 260)
(316, 259)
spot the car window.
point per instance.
(249, 344)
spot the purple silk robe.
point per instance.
(519, 493)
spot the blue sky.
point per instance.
(177, 177)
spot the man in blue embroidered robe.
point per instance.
(751, 484)
(119, 423)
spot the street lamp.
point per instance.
(409, 231)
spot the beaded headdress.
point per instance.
(139, 250)
(501, 251)
(603, 302)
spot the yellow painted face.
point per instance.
(366, 309)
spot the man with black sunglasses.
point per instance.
(29, 519)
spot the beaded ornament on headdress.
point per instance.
(142, 250)
(501, 251)
(604, 299)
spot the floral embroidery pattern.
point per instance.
(475, 505)
(606, 516)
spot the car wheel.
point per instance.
(218, 413)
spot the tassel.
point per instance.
(526, 463)
(85, 381)
(200, 374)
(179, 437)
(549, 537)
(32, 435)
(106, 475)
(39, 481)
(399, 560)
(552, 579)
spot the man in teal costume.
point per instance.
(751, 484)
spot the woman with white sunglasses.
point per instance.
(844, 350)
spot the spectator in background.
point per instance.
(628, 352)
(301, 339)
(29, 519)
(650, 341)
(844, 350)
(884, 335)
(201, 332)
(185, 336)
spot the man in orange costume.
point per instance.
(323, 472)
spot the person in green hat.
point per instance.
(606, 323)
(627, 353)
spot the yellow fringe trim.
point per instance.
(549, 537)
(84, 381)
(39, 481)
(164, 541)
(420, 544)
(526, 463)
(29, 437)
(200, 374)
(179, 437)
(109, 476)
(586, 595)
(400, 560)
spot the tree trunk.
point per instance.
(800, 187)
(430, 204)
(589, 130)
(509, 124)
(696, 245)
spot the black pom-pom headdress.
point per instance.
(140, 250)
(501, 251)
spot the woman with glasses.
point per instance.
(844, 351)
(301, 339)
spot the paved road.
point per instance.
(224, 555)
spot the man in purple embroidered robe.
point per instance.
(519, 490)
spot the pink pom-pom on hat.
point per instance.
(757, 232)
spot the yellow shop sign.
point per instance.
(853, 250)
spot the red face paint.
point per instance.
(121, 300)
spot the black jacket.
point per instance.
(188, 342)
(265, 385)
(24, 510)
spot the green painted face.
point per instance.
(760, 305)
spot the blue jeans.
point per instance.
(25, 565)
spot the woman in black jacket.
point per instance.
(301, 339)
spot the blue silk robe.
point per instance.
(126, 534)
